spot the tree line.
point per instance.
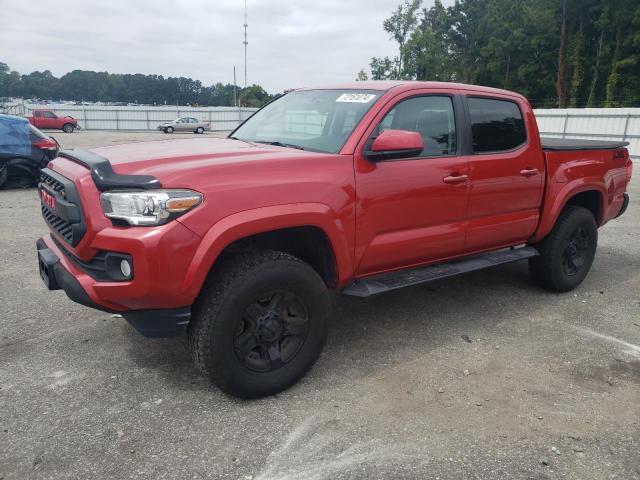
(85, 85)
(558, 53)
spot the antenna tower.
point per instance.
(245, 43)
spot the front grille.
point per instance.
(60, 226)
(66, 219)
(55, 185)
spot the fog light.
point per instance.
(125, 268)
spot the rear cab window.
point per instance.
(496, 125)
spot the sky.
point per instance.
(291, 43)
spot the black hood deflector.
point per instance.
(103, 175)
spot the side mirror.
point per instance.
(395, 144)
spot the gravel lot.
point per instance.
(478, 377)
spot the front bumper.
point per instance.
(152, 323)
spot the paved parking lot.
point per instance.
(477, 377)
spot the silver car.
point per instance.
(184, 124)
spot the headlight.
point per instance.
(150, 207)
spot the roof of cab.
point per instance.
(385, 85)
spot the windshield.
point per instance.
(317, 120)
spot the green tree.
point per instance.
(110, 87)
(254, 96)
(383, 68)
(400, 24)
(362, 76)
(556, 52)
(426, 55)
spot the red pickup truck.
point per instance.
(47, 119)
(361, 188)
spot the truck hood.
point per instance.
(186, 162)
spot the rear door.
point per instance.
(506, 173)
(37, 119)
(413, 210)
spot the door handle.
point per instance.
(455, 178)
(529, 172)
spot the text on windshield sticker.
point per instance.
(355, 97)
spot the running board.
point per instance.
(366, 287)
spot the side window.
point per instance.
(432, 117)
(496, 125)
(38, 114)
(49, 115)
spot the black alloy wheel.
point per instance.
(575, 252)
(272, 331)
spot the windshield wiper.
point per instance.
(280, 144)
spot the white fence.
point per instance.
(134, 117)
(593, 123)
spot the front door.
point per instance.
(182, 124)
(413, 210)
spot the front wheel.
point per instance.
(567, 253)
(168, 130)
(259, 324)
(68, 128)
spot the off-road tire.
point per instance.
(68, 128)
(220, 312)
(548, 269)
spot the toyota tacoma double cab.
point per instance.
(361, 188)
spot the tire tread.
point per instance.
(543, 267)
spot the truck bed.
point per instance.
(563, 144)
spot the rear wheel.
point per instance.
(567, 253)
(200, 130)
(260, 323)
(68, 128)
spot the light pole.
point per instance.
(245, 43)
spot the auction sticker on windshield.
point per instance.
(356, 97)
